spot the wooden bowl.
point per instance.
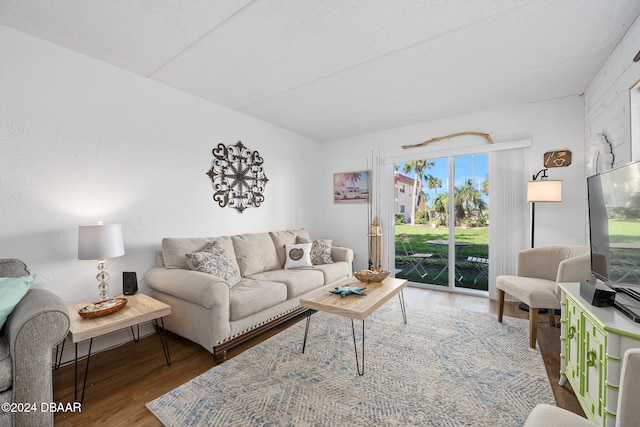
(102, 308)
(371, 276)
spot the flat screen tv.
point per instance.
(614, 225)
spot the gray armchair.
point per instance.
(33, 328)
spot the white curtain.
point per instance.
(509, 211)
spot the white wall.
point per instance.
(607, 101)
(551, 125)
(82, 141)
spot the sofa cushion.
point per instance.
(12, 290)
(6, 370)
(252, 296)
(320, 251)
(540, 292)
(174, 249)
(298, 255)
(255, 253)
(215, 261)
(297, 282)
(333, 272)
(281, 238)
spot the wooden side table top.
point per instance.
(140, 308)
(353, 306)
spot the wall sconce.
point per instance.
(99, 242)
(542, 190)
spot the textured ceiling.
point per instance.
(330, 69)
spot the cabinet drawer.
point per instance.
(595, 367)
(572, 345)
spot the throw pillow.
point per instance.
(214, 260)
(320, 251)
(12, 290)
(298, 255)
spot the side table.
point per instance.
(140, 308)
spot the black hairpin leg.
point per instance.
(355, 347)
(136, 339)
(306, 330)
(163, 339)
(59, 351)
(86, 372)
(402, 307)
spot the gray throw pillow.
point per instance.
(320, 251)
(215, 261)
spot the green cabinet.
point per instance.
(594, 340)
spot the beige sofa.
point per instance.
(219, 314)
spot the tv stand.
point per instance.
(594, 340)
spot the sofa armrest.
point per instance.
(189, 285)
(338, 253)
(574, 269)
(38, 323)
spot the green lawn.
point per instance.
(624, 231)
(419, 235)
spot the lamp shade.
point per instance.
(100, 241)
(544, 191)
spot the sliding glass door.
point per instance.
(442, 229)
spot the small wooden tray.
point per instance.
(102, 308)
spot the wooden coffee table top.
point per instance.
(353, 306)
(140, 308)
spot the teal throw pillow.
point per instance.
(12, 290)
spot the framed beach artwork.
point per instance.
(351, 187)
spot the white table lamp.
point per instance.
(100, 242)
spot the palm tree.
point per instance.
(418, 166)
(468, 201)
(433, 183)
(440, 205)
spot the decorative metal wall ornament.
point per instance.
(237, 177)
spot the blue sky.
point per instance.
(465, 166)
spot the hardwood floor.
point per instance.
(123, 379)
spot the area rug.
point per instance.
(445, 367)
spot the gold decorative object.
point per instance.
(367, 276)
(237, 177)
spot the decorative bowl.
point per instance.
(371, 276)
(102, 308)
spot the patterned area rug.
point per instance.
(446, 367)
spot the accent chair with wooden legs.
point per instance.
(538, 270)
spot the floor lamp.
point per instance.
(541, 190)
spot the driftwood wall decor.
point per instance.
(453, 135)
(237, 177)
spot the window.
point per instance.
(634, 98)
